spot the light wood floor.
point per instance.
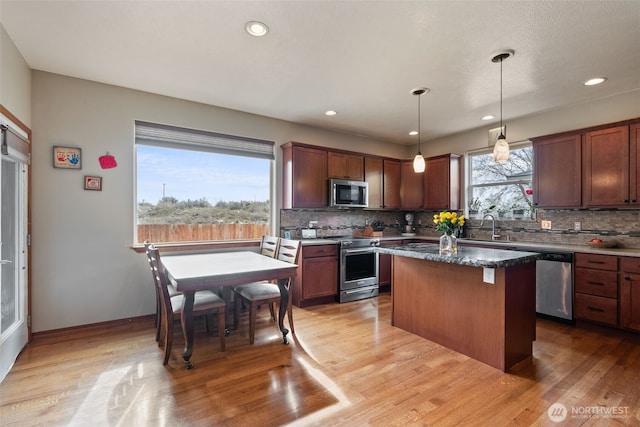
(345, 366)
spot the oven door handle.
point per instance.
(357, 251)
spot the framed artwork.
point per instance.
(67, 157)
(93, 183)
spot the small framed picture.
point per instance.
(93, 183)
(287, 234)
(67, 157)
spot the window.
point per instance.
(501, 189)
(195, 186)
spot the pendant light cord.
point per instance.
(419, 147)
(501, 59)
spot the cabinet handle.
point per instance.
(599, 310)
(627, 278)
(625, 201)
(633, 200)
(595, 262)
(596, 283)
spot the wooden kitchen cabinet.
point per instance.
(630, 293)
(442, 183)
(391, 185)
(374, 176)
(607, 172)
(304, 177)
(596, 288)
(557, 169)
(345, 166)
(411, 186)
(384, 264)
(317, 276)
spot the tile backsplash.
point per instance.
(622, 225)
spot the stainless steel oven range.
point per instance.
(358, 268)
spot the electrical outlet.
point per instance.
(546, 225)
(577, 226)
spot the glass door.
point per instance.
(14, 331)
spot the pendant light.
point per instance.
(501, 148)
(418, 160)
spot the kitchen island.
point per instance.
(479, 302)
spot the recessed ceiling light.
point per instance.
(595, 81)
(330, 113)
(256, 29)
(488, 117)
(413, 133)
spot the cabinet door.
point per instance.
(320, 277)
(345, 166)
(557, 171)
(630, 301)
(634, 164)
(442, 183)
(607, 167)
(391, 192)
(309, 184)
(374, 175)
(411, 186)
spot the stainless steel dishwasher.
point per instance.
(554, 284)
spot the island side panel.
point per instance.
(452, 306)
(520, 314)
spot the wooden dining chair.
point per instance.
(172, 290)
(254, 294)
(205, 303)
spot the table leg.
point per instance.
(187, 327)
(226, 296)
(283, 285)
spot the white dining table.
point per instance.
(195, 272)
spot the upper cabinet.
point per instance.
(383, 177)
(442, 183)
(391, 187)
(411, 186)
(608, 155)
(557, 169)
(304, 178)
(345, 166)
(595, 167)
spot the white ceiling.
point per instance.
(360, 58)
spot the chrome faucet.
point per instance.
(494, 236)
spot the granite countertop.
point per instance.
(517, 245)
(474, 257)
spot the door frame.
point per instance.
(5, 112)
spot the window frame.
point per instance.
(468, 193)
(205, 141)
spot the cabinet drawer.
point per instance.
(597, 309)
(596, 282)
(630, 264)
(319, 250)
(599, 262)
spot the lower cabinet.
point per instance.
(596, 288)
(317, 278)
(630, 293)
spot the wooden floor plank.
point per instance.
(346, 365)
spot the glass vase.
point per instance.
(448, 244)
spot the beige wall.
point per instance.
(83, 268)
(602, 111)
(15, 80)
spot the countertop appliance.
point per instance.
(350, 194)
(554, 283)
(358, 268)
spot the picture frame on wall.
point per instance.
(67, 157)
(93, 183)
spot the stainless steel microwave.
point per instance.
(349, 194)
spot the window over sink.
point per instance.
(502, 189)
(198, 186)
